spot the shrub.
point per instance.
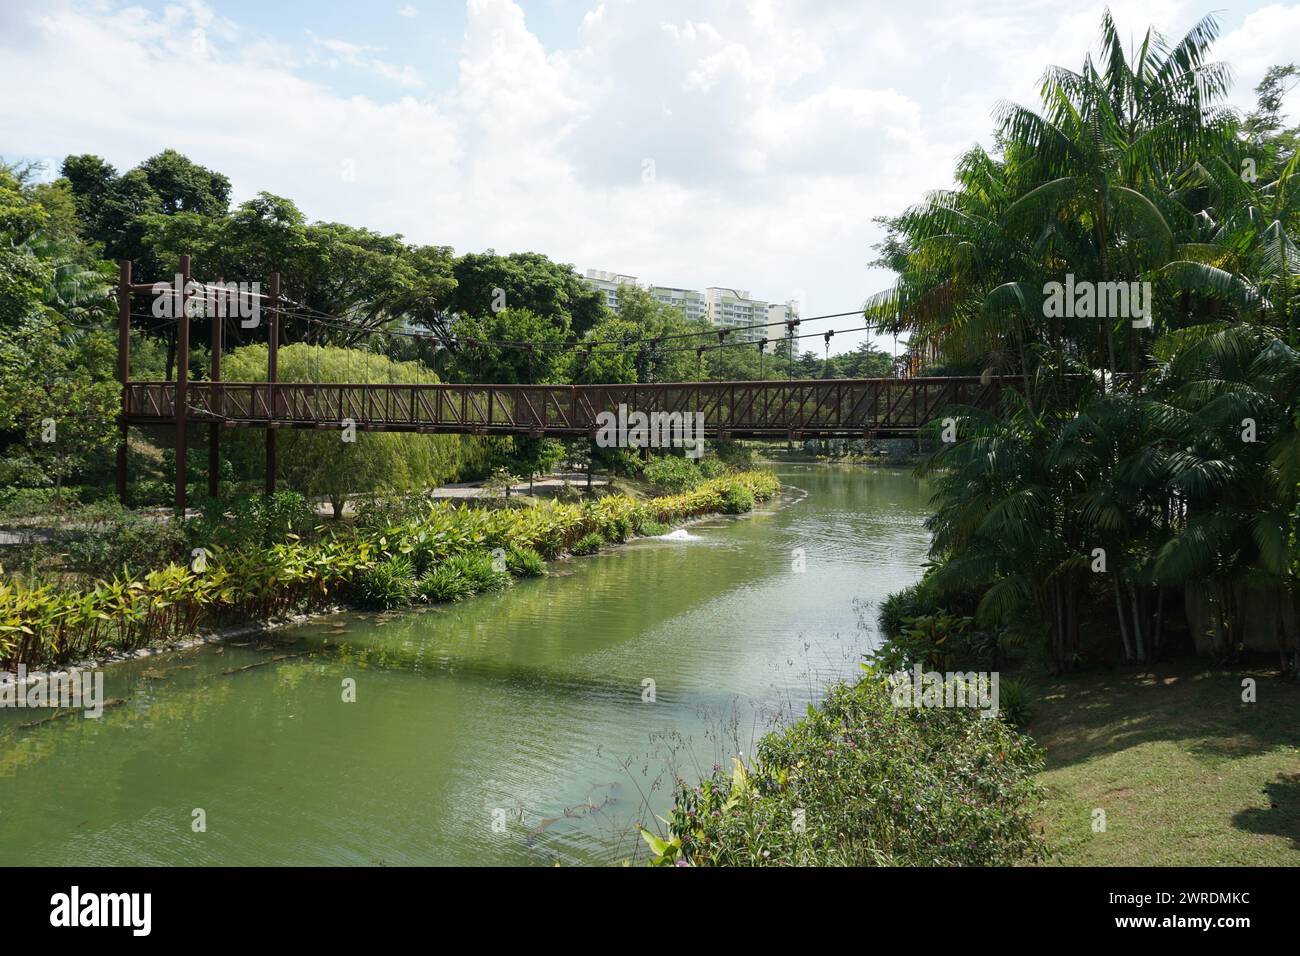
(737, 500)
(388, 584)
(23, 502)
(380, 511)
(618, 529)
(443, 583)
(150, 491)
(937, 629)
(621, 462)
(525, 562)
(253, 521)
(589, 544)
(650, 528)
(734, 454)
(479, 571)
(938, 641)
(910, 602)
(672, 473)
(878, 785)
(710, 468)
(1015, 700)
(113, 538)
(550, 544)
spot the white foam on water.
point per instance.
(681, 534)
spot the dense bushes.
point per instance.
(441, 554)
(939, 630)
(650, 528)
(111, 538)
(387, 585)
(674, 474)
(670, 473)
(255, 520)
(901, 606)
(525, 562)
(737, 500)
(479, 571)
(589, 543)
(869, 784)
(940, 641)
(470, 573)
(734, 454)
(443, 584)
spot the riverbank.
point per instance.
(862, 781)
(417, 553)
(1167, 766)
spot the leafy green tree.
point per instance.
(487, 282)
(325, 464)
(89, 177)
(345, 285)
(1183, 473)
(510, 347)
(58, 395)
(606, 354)
(866, 361)
(59, 400)
(661, 348)
(112, 208)
(185, 186)
(1265, 128)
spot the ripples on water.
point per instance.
(509, 728)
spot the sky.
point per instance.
(741, 144)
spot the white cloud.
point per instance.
(1265, 38)
(335, 53)
(777, 131)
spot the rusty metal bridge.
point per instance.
(831, 408)
(827, 408)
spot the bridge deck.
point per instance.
(843, 408)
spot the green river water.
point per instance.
(506, 729)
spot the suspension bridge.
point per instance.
(789, 409)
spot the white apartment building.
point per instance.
(609, 283)
(718, 305)
(729, 308)
(691, 302)
(787, 311)
(778, 314)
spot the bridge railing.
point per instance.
(507, 408)
(775, 408)
(842, 406)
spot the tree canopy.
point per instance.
(1162, 448)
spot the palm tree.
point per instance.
(1006, 520)
(1129, 172)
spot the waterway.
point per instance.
(511, 728)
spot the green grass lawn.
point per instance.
(1186, 773)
